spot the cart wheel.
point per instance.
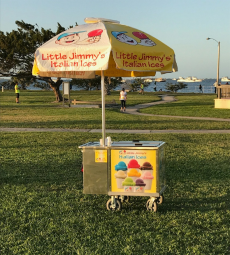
(152, 207)
(160, 200)
(124, 199)
(111, 207)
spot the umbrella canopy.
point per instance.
(103, 47)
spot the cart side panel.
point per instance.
(95, 179)
(162, 178)
(157, 171)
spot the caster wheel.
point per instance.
(160, 200)
(152, 207)
(113, 207)
(124, 199)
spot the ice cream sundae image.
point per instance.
(128, 184)
(120, 176)
(121, 166)
(133, 164)
(140, 185)
(146, 167)
(134, 174)
(147, 178)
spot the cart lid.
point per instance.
(134, 143)
(137, 143)
(90, 144)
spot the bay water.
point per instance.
(192, 87)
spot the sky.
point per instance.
(183, 25)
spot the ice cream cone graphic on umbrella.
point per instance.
(145, 41)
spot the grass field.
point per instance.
(38, 110)
(44, 211)
(195, 105)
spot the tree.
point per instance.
(17, 50)
(135, 85)
(111, 83)
(42, 85)
(7, 84)
(175, 87)
(89, 84)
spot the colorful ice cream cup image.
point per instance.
(120, 176)
(134, 174)
(140, 185)
(121, 166)
(148, 179)
(128, 184)
(133, 164)
(146, 167)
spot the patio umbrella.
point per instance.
(103, 47)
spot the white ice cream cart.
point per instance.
(124, 169)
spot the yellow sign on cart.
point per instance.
(101, 156)
(133, 171)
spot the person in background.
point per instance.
(17, 91)
(200, 88)
(122, 98)
(142, 89)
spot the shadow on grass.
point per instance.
(218, 203)
(116, 121)
(45, 172)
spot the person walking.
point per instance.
(200, 88)
(17, 91)
(142, 89)
(122, 98)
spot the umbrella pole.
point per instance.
(103, 106)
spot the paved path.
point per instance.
(166, 99)
(115, 131)
(132, 110)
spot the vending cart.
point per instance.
(124, 169)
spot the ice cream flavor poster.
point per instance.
(133, 171)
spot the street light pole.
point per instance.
(218, 68)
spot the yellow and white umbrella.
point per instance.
(103, 47)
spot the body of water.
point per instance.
(192, 87)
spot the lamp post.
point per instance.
(218, 67)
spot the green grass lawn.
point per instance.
(37, 109)
(195, 105)
(44, 211)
